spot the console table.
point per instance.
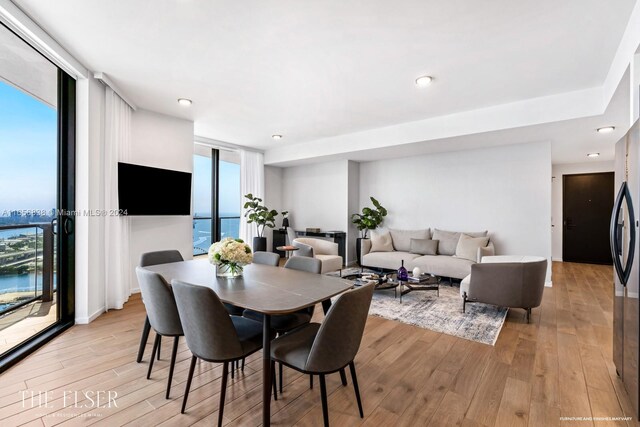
(339, 237)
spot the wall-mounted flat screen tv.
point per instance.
(143, 190)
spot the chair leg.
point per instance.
(156, 343)
(242, 369)
(323, 393)
(186, 390)
(273, 380)
(159, 345)
(223, 389)
(174, 352)
(343, 377)
(311, 382)
(464, 301)
(280, 368)
(354, 379)
(146, 328)
(230, 368)
(528, 315)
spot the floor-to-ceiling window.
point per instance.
(216, 197)
(37, 127)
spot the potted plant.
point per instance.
(258, 214)
(369, 219)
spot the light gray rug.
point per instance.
(481, 322)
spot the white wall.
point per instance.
(272, 197)
(506, 190)
(556, 191)
(164, 142)
(316, 195)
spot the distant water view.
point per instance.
(229, 227)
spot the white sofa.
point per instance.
(324, 250)
(442, 264)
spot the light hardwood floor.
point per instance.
(558, 366)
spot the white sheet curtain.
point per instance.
(251, 181)
(117, 228)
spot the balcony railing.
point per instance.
(26, 265)
(229, 226)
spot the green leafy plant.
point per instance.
(258, 214)
(370, 218)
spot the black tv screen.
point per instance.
(144, 190)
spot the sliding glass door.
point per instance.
(216, 197)
(37, 163)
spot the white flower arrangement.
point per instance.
(230, 256)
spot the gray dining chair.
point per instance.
(284, 323)
(259, 257)
(148, 259)
(212, 334)
(322, 349)
(162, 313)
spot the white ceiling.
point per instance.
(314, 70)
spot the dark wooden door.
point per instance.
(587, 204)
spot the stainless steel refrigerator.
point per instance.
(624, 248)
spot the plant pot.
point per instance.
(359, 249)
(259, 244)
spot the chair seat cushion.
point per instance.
(293, 348)
(330, 263)
(281, 323)
(233, 310)
(249, 332)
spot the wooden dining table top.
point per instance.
(262, 288)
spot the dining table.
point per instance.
(265, 289)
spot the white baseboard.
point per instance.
(556, 259)
(87, 320)
(549, 284)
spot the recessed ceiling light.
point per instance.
(606, 129)
(424, 81)
(185, 102)
(593, 154)
(276, 136)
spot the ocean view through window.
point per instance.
(229, 202)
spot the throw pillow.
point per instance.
(468, 246)
(424, 246)
(402, 238)
(381, 242)
(449, 240)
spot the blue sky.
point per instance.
(229, 187)
(28, 152)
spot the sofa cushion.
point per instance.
(442, 265)
(424, 246)
(468, 246)
(330, 262)
(402, 238)
(449, 239)
(387, 260)
(381, 242)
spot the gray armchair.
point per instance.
(506, 281)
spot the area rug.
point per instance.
(481, 322)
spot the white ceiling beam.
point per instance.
(20, 23)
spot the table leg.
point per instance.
(266, 370)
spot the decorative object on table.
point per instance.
(312, 229)
(482, 322)
(230, 256)
(257, 213)
(369, 219)
(416, 272)
(403, 274)
(285, 219)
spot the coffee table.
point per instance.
(432, 283)
(383, 282)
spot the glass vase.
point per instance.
(229, 271)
